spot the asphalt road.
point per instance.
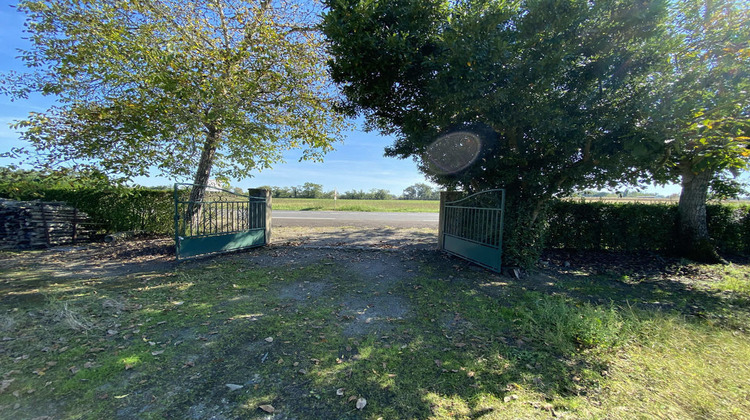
(284, 218)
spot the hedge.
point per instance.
(640, 227)
(118, 209)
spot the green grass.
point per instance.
(411, 206)
(680, 369)
(468, 344)
(735, 279)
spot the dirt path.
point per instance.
(354, 274)
(157, 254)
(355, 237)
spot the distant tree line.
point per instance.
(419, 191)
(616, 194)
(735, 191)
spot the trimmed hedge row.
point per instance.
(119, 209)
(640, 227)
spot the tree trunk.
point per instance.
(693, 225)
(203, 173)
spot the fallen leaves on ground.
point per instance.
(5, 383)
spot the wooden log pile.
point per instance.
(37, 224)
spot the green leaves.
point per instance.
(703, 100)
(140, 84)
(562, 85)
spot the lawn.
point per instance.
(336, 334)
(322, 204)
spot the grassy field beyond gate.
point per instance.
(433, 206)
(313, 334)
(325, 204)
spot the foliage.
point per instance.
(20, 184)
(308, 190)
(640, 227)
(183, 87)
(723, 187)
(122, 209)
(311, 190)
(554, 91)
(373, 194)
(701, 108)
(111, 206)
(627, 193)
(420, 191)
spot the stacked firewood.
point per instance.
(37, 224)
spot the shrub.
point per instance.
(116, 209)
(123, 209)
(640, 227)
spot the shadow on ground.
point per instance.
(319, 320)
(352, 237)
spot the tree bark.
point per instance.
(695, 242)
(203, 173)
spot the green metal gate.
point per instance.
(223, 221)
(472, 228)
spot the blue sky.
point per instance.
(356, 163)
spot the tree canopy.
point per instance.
(701, 108)
(192, 88)
(554, 90)
(557, 81)
(704, 96)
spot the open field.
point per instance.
(124, 332)
(325, 204)
(432, 206)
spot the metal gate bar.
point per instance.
(223, 221)
(472, 228)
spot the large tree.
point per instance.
(553, 90)
(207, 88)
(702, 109)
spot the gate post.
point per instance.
(445, 196)
(266, 195)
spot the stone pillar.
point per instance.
(263, 193)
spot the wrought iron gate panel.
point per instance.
(473, 228)
(223, 221)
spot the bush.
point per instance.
(116, 209)
(111, 206)
(729, 227)
(122, 209)
(640, 227)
